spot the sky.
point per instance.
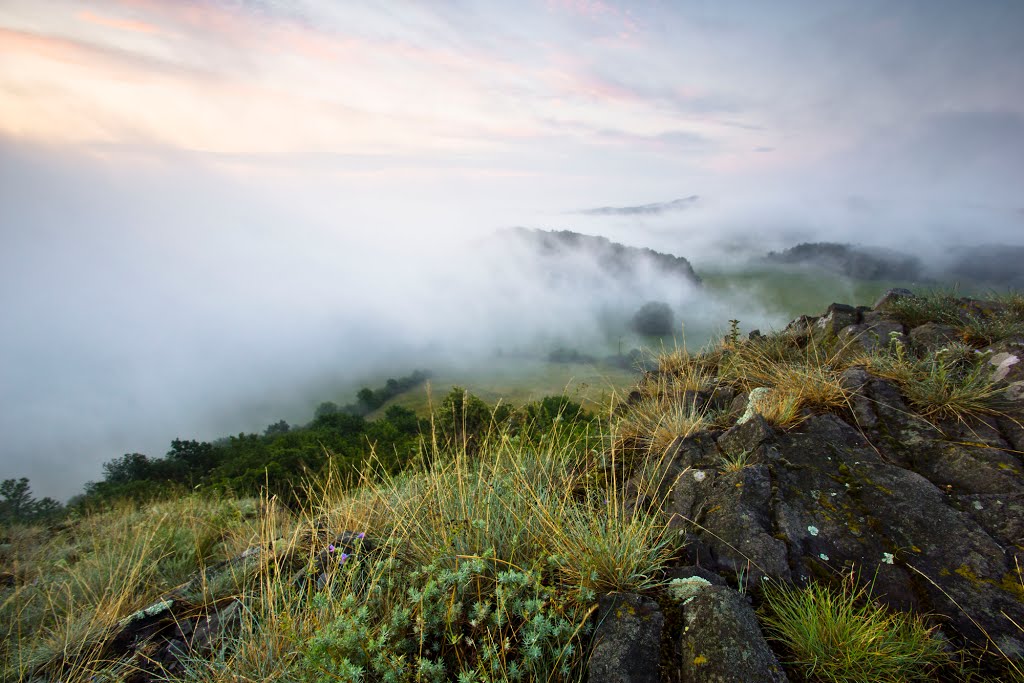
(212, 211)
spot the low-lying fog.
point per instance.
(159, 302)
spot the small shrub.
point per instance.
(653, 319)
(685, 589)
(444, 613)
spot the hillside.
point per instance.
(998, 265)
(562, 252)
(839, 501)
(853, 261)
(973, 267)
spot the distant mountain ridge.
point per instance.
(999, 265)
(991, 265)
(616, 260)
(863, 263)
(644, 209)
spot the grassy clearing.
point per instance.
(788, 293)
(840, 635)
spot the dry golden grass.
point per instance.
(777, 407)
(814, 377)
(687, 371)
(798, 379)
(655, 422)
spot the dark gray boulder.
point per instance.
(627, 641)
(869, 337)
(893, 498)
(722, 641)
(932, 336)
(837, 317)
(890, 296)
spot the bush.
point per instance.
(463, 421)
(654, 319)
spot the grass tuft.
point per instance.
(840, 635)
(736, 462)
(653, 423)
(982, 330)
(942, 306)
(798, 379)
(950, 383)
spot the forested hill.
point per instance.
(557, 248)
(866, 263)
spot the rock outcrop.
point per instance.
(929, 511)
(722, 641)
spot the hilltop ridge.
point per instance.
(621, 262)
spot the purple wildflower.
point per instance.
(344, 556)
(361, 535)
(330, 548)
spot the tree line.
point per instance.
(281, 459)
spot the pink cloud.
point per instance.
(57, 49)
(132, 25)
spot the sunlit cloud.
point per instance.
(119, 23)
(183, 84)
